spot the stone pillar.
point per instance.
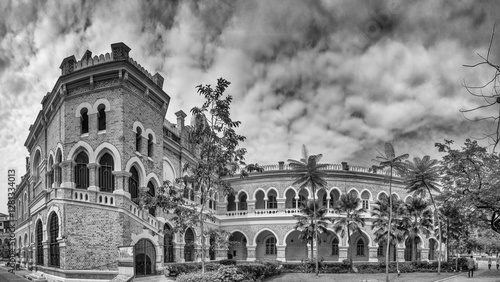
(45, 253)
(220, 254)
(93, 176)
(251, 253)
(343, 252)
(281, 254)
(372, 254)
(68, 168)
(281, 205)
(401, 254)
(424, 254)
(121, 183)
(62, 252)
(179, 251)
(251, 206)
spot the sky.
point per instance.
(341, 77)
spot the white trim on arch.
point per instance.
(169, 163)
(77, 146)
(99, 102)
(56, 210)
(152, 177)
(196, 239)
(241, 192)
(141, 169)
(370, 193)
(150, 131)
(106, 147)
(139, 124)
(379, 193)
(59, 146)
(86, 105)
(238, 230)
(257, 190)
(272, 189)
(408, 196)
(262, 230)
(349, 191)
(49, 165)
(39, 149)
(366, 234)
(290, 188)
(324, 189)
(397, 195)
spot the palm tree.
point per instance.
(352, 222)
(309, 174)
(422, 176)
(418, 221)
(389, 160)
(305, 222)
(381, 223)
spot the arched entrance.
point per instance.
(412, 252)
(329, 246)
(432, 249)
(145, 258)
(168, 245)
(189, 245)
(266, 246)
(296, 248)
(237, 246)
(358, 249)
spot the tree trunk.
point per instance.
(349, 256)
(439, 226)
(388, 231)
(202, 241)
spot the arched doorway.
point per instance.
(266, 246)
(237, 246)
(211, 249)
(296, 248)
(329, 246)
(145, 258)
(189, 245)
(412, 251)
(358, 248)
(168, 245)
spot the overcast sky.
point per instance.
(342, 77)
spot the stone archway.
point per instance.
(237, 246)
(296, 248)
(433, 245)
(144, 258)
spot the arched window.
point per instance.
(106, 177)
(365, 199)
(138, 140)
(39, 244)
(82, 171)
(380, 250)
(25, 205)
(360, 248)
(101, 117)
(271, 246)
(150, 145)
(302, 201)
(168, 245)
(50, 174)
(151, 192)
(133, 183)
(53, 244)
(19, 209)
(189, 245)
(84, 121)
(58, 168)
(36, 167)
(335, 247)
(243, 202)
(272, 203)
(186, 191)
(231, 205)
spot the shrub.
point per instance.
(228, 262)
(259, 270)
(223, 274)
(198, 277)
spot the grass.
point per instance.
(327, 277)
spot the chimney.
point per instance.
(281, 165)
(86, 56)
(68, 65)
(180, 119)
(119, 51)
(158, 79)
(345, 166)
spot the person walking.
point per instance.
(498, 262)
(470, 266)
(489, 263)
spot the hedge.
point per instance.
(234, 273)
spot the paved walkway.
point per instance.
(482, 274)
(6, 276)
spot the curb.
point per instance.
(451, 277)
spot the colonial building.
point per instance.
(101, 138)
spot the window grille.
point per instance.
(360, 248)
(272, 203)
(82, 171)
(189, 246)
(335, 247)
(39, 244)
(380, 250)
(133, 183)
(101, 118)
(54, 245)
(365, 204)
(84, 121)
(271, 246)
(106, 177)
(138, 139)
(151, 192)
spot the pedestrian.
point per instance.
(489, 264)
(498, 262)
(470, 266)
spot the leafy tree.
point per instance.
(217, 155)
(389, 160)
(381, 212)
(418, 221)
(306, 224)
(352, 221)
(308, 173)
(422, 177)
(471, 179)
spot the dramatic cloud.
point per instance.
(342, 77)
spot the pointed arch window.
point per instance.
(133, 183)
(151, 192)
(150, 145)
(189, 245)
(53, 244)
(82, 171)
(106, 177)
(84, 121)
(58, 168)
(380, 250)
(271, 246)
(168, 245)
(101, 117)
(243, 202)
(335, 247)
(360, 248)
(36, 167)
(39, 244)
(138, 139)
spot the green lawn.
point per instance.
(375, 277)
